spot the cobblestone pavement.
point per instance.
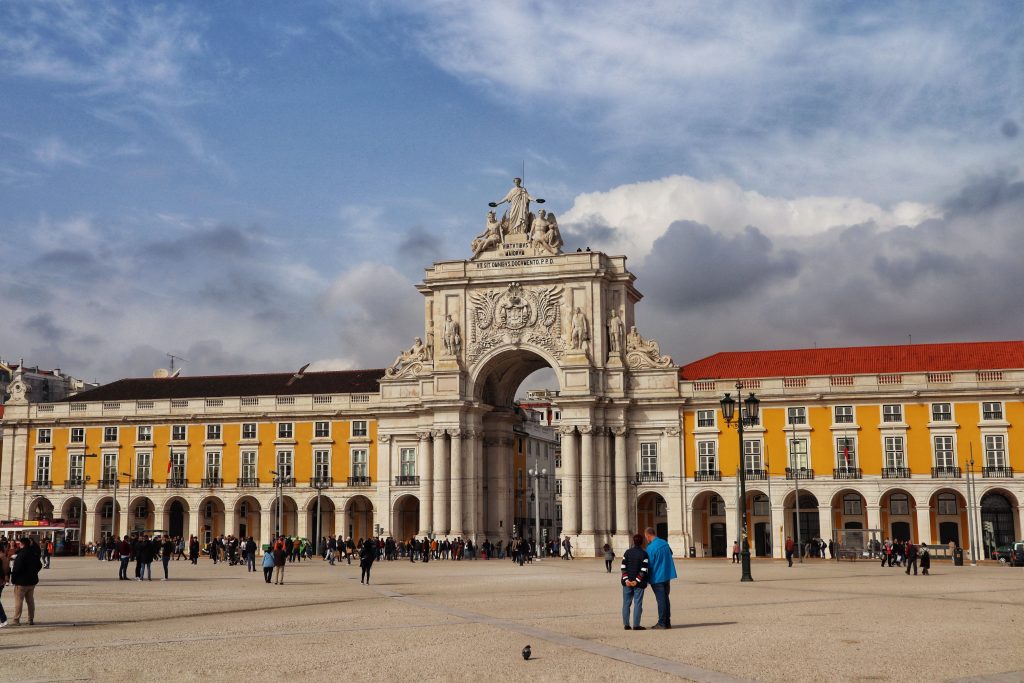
(818, 621)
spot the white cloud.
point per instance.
(52, 152)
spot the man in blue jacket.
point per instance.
(663, 570)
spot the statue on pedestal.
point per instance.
(451, 336)
(615, 330)
(580, 330)
(644, 353)
(544, 234)
(410, 360)
(517, 218)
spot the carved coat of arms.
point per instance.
(514, 315)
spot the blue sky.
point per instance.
(256, 185)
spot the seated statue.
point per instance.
(644, 353)
(417, 353)
(489, 238)
(545, 233)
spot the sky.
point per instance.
(253, 186)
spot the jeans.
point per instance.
(165, 559)
(149, 571)
(635, 596)
(268, 573)
(123, 572)
(664, 607)
(250, 561)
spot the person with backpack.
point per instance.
(25, 576)
(926, 559)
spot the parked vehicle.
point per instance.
(1003, 553)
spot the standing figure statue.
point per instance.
(615, 332)
(518, 200)
(580, 330)
(451, 337)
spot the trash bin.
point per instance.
(958, 557)
(693, 551)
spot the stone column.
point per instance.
(588, 479)
(382, 490)
(441, 490)
(570, 483)
(621, 493)
(231, 522)
(824, 521)
(458, 485)
(503, 479)
(470, 483)
(874, 513)
(602, 489)
(779, 531)
(924, 524)
(671, 464)
(268, 521)
(426, 468)
(479, 477)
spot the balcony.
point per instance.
(107, 483)
(73, 483)
(212, 483)
(321, 482)
(895, 473)
(42, 485)
(707, 475)
(142, 483)
(248, 483)
(755, 474)
(284, 482)
(648, 478)
(359, 481)
(945, 473)
(847, 473)
(799, 473)
(407, 480)
(177, 483)
(997, 472)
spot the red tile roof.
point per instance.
(273, 384)
(858, 360)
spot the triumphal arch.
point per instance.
(520, 301)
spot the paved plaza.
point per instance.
(458, 620)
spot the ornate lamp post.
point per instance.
(746, 418)
(278, 484)
(81, 507)
(536, 473)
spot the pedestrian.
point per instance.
(609, 557)
(268, 565)
(149, 551)
(124, 552)
(635, 570)
(926, 559)
(789, 550)
(5, 574)
(250, 554)
(663, 570)
(193, 549)
(367, 554)
(25, 576)
(567, 545)
(280, 558)
(166, 552)
(735, 552)
(831, 549)
(46, 548)
(910, 552)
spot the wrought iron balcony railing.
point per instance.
(107, 483)
(895, 473)
(142, 483)
(177, 483)
(997, 472)
(72, 483)
(359, 481)
(755, 474)
(248, 482)
(321, 482)
(212, 482)
(945, 472)
(799, 473)
(407, 480)
(707, 475)
(648, 477)
(42, 484)
(847, 473)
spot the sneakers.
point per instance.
(3, 624)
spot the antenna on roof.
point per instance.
(910, 339)
(173, 357)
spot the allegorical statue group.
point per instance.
(540, 229)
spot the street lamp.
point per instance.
(972, 503)
(319, 489)
(117, 517)
(280, 516)
(746, 418)
(535, 474)
(81, 507)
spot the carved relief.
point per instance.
(383, 438)
(672, 431)
(424, 436)
(620, 431)
(18, 388)
(410, 362)
(515, 315)
(567, 430)
(644, 353)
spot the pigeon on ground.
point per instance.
(526, 652)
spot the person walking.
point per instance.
(663, 570)
(25, 576)
(735, 552)
(280, 559)
(5, 574)
(789, 550)
(124, 552)
(193, 549)
(926, 559)
(250, 554)
(367, 554)
(910, 553)
(46, 548)
(609, 557)
(635, 570)
(567, 545)
(166, 553)
(268, 565)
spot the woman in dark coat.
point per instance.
(367, 554)
(926, 559)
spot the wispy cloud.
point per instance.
(53, 152)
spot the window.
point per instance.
(77, 435)
(844, 415)
(649, 457)
(359, 428)
(705, 418)
(558, 512)
(178, 465)
(43, 467)
(213, 464)
(322, 464)
(110, 434)
(944, 456)
(750, 421)
(285, 430)
(144, 433)
(894, 455)
(143, 465)
(716, 506)
(407, 462)
(852, 504)
(284, 464)
(322, 430)
(519, 479)
(762, 507)
(995, 450)
(892, 412)
(249, 431)
(558, 459)
(248, 465)
(558, 487)
(76, 465)
(141, 511)
(797, 415)
(798, 454)
(752, 456)
(107, 511)
(846, 452)
(109, 466)
(359, 462)
(946, 504)
(44, 436)
(178, 433)
(707, 461)
(992, 411)
(942, 412)
(213, 432)
(899, 504)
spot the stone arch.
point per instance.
(105, 518)
(804, 526)
(760, 521)
(405, 516)
(176, 517)
(651, 511)
(499, 373)
(1000, 512)
(948, 516)
(248, 517)
(211, 513)
(141, 514)
(709, 532)
(41, 507)
(359, 517)
(849, 509)
(326, 527)
(898, 514)
(289, 517)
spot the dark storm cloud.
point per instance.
(419, 246)
(591, 230)
(215, 242)
(44, 325)
(691, 266)
(1010, 129)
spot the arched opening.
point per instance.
(759, 520)
(104, 518)
(406, 517)
(997, 526)
(40, 508)
(803, 524)
(248, 518)
(141, 515)
(949, 517)
(651, 511)
(849, 510)
(898, 512)
(709, 525)
(176, 517)
(286, 524)
(72, 511)
(325, 527)
(359, 518)
(211, 519)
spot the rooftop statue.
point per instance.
(518, 232)
(518, 214)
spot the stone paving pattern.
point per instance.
(821, 621)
